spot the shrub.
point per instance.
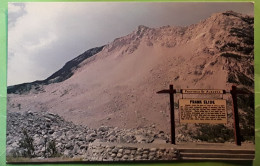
(26, 143)
(19, 106)
(232, 78)
(213, 133)
(51, 149)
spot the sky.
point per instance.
(43, 36)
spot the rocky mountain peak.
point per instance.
(141, 29)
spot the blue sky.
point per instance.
(43, 36)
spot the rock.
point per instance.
(77, 141)
(127, 151)
(76, 149)
(161, 132)
(9, 138)
(30, 113)
(145, 152)
(10, 151)
(125, 157)
(139, 157)
(133, 152)
(57, 134)
(113, 155)
(90, 139)
(51, 131)
(120, 150)
(103, 128)
(48, 125)
(140, 150)
(159, 141)
(84, 146)
(112, 138)
(153, 149)
(69, 146)
(121, 139)
(112, 133)
(81, 138)
(115, 150)
(145, 156)
(119, 155)
(48, 120)
(140, 138)
(152, 154)
(67, 153)
(93, 134)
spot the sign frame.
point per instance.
(203, 91)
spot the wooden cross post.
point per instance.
(234, 92)
(171, 91)
(235, 115)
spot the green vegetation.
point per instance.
(246, 119)
(245, 101)
(213, 133)
(28, 150)
(52, 150)
(26, 143)
(243, 79)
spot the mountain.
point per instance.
(64, 73)
(116, 84)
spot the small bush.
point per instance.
(51, 149)
(26, 143)
(19, 106)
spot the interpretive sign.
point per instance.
(202, 111)
(202, 91)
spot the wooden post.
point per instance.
(235, 116)
(172, 115)
(171, 92)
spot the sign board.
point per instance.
(202, 111)
(202, 91)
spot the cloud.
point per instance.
(43, 36)
(15, 10)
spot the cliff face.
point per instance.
(116, 84)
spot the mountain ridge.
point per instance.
(62, 74)
(140, 32)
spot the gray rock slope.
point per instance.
(71, 140)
